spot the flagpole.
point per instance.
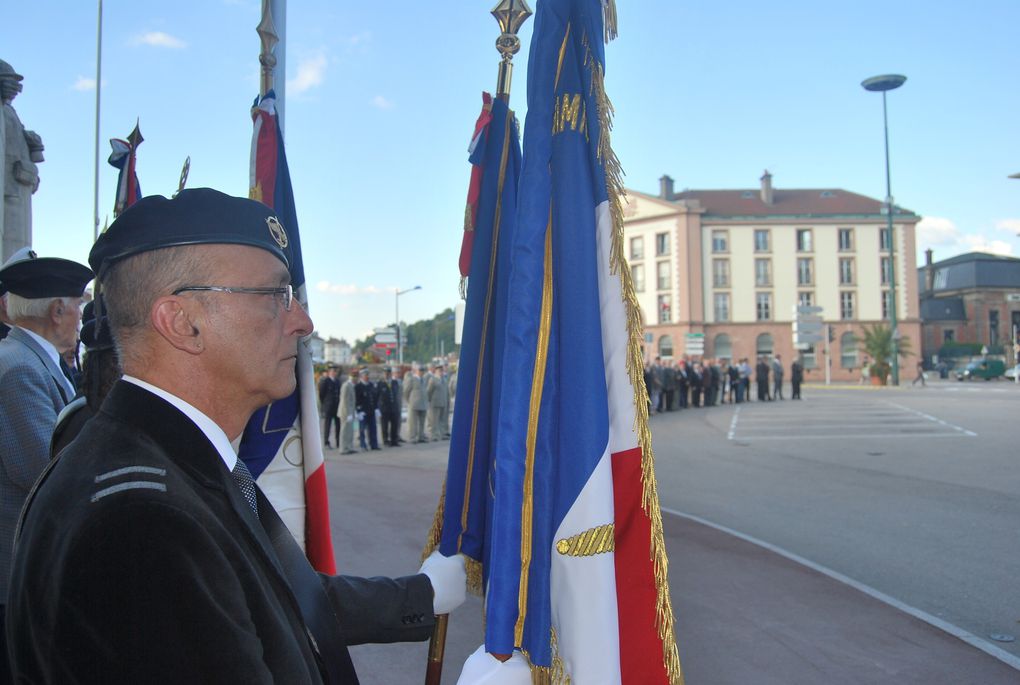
(510, 15)
(99, 82)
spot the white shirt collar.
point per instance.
(213, 432)
(50, 350)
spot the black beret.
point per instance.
(95, 333)
(36, 277)
(198, 216)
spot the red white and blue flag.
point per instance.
(282, 444)
(123, 157)
(570, 534)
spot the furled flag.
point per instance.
(123, 158)
(495, 155)
(282, 444)
(575, 563)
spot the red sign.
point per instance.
(385, 346)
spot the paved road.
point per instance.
(902, 519)
(912, 491)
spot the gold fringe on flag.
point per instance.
(473, 568)
(635, 363)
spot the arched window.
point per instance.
(764, 345)
(848, 351)
(722, 348)
(666, 347)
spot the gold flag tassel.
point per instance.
(635, 361)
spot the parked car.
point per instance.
(986, 368)
(1012, 372)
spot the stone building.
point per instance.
(734, 264)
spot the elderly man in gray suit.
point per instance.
(439, 401)
(417, 404)
(43, 304)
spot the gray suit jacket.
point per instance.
(32, 393)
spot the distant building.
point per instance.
(971, 298)
(317, 346)
(734, 264)
(338, 352)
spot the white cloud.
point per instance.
(1011, 226)
(84, 83)
(943, 236)
(381, 102)
(311, 72)
(359, 39)
(158, 39)
(348, 288)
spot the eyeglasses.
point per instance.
(286, 292)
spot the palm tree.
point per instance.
(878, 344)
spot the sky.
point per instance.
(381, 100)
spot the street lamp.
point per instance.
(400, 342)
(882, 84)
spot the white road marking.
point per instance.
(933, 419)
(733, 424)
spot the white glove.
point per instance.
(350, 417)
(378, 413)
(449, 581)
(361, 416)
(482, 668)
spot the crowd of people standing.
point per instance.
(371, 406)
(706, 382)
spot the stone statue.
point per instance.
(21, 151)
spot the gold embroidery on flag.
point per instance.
(598, 540)
(537, 385)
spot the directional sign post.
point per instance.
(807, 326)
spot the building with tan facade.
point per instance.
(733, 265)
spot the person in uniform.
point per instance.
(796, 378)
(147, 554)
(100, 370)
(417, 404)
(346, 411)
(438, 397)
(43, 300)
(329, 404)
(388, 409)
(365, 404)
(777, 377)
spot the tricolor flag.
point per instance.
(495, 155)
(123, 157)
(282, 444)
(575, 564)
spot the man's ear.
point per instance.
(173, 319)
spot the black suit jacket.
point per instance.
(139, 561)
(365, 397)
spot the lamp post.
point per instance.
(882, 84)
(400, 342)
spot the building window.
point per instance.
(886, 268)
(848, 351)
(808, 358)
(846, 239)
(763, 272)
(720, 241)
(665, 308)
(846, 271)
(805, 271)
(722, 306)
(721, 273)
(764, 306)
(666, 347)
(637, 274)
(804, 242)
(663, 275)
(661, 244)
(941, 278)
(764, 346)
(761, 240)
(993, 326)
(722, 348)
(846, 305)
(806, 298)
(948, 335)
(883, 239)
(637, 248)
(886, 304)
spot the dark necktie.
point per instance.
(242, 476)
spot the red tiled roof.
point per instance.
(809, 201)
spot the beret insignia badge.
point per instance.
(276, 230)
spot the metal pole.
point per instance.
(892, 251)
(278, 8)
(400, 346)
(828, 354)
(99, 88)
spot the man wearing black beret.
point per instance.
(147, 554)
(43, 298)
